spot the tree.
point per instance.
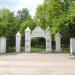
(8, 26)
(51, 9)
(40, 16)
(71, 18)
(27, 23)
(22, 15)
(55, 13)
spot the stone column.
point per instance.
(18, 42)
(27, 40)
(2, 45)
(48, 40)
(58, 42)
(72, 45)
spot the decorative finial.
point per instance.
(18, 33)
(27, 29)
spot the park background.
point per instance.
(59, 15)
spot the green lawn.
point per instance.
(38, 49)
(63, 50)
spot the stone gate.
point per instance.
(37, 32)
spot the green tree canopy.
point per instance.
(27, 23)
(22, 15)
(58, 14)
(8, 26)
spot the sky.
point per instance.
(15, 5)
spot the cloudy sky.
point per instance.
(14, 5)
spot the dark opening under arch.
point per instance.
(38, 44)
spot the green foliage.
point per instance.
(27, 23)
(49, 11)
(60, 16)
(22, 15)
(8, 23)
(38, 42)
(8, 26)
(25, 20)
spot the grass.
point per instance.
(38, 49)
(63, 50)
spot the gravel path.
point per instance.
(37, 64)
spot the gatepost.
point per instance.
(18, 42)
(48, 40)
(58, 42)
(27, 40)
(2, 45)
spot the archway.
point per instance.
(37, 32)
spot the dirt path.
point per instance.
(37, 64)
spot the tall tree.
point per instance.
(48, 11)
(8, 26)
(55, 13)
(22, 15)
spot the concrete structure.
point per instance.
(48, 40)
(72, 45)
(27, 40)
(58, 42)
(18, 42)
(37, 32)
(2, 45)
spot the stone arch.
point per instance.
(37, 32)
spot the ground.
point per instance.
(37, 64)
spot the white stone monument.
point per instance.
(58, 42)
(2, 45)
(18, 42)
(72, 45)
(27, 40)
(37, 32)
